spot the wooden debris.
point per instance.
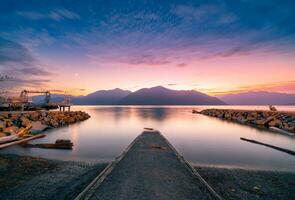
(59, 144)
(270, 146)
(149, 129)
(281, 131)
(2, 146)
(22, 133)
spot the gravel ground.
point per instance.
(24, 177)
(242, 184)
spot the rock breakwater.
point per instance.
(264, 119)
(38, 121)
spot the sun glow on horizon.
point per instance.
(210, 47)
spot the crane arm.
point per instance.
(35, 91)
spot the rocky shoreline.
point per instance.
(274, 120)
(11, 123)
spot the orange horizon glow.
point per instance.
(216, 76)
(287, 87)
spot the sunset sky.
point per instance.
(216, 47)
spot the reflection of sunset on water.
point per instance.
(74, 130)
(202, 140)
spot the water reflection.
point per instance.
(159, 114)
(201, 139)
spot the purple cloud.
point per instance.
(19, 67)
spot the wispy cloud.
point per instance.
(20, 66)
(171, 84)
(205, 13)
(60, 14)
(70, 91)
(16, 58)
(55, 14)
(17, 83)
(13, 52)
(4, 77)
(182, 65)
(144, 59)
(32, 15)
(35, 71)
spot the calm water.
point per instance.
(200, 139)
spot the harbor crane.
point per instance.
(25, 97)
(23, 102)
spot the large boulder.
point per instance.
(254, 115)
(38, 127)
(34, 116)
(70, 120)
(44, 113)
(14, 116)
(288, 127)
(8, 123)
(2, 125)
(275, 122)
(2, 134)
(10, 130)
(53, 123)
(25, 122)
(4, 115)
(46, 120)
(264, 121)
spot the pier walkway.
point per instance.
(150, 168)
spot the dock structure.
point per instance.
(150, 168)
(65, 104)
(62, 107)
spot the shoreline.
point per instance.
(19, 126)
(24, 177)
(282, 122)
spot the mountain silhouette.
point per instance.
(101, 97)
(259, 98)
(163, 96)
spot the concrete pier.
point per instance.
(150, 168)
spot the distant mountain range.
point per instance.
(163, 96)
(101, 97)
(259, 98)
(148, 96)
